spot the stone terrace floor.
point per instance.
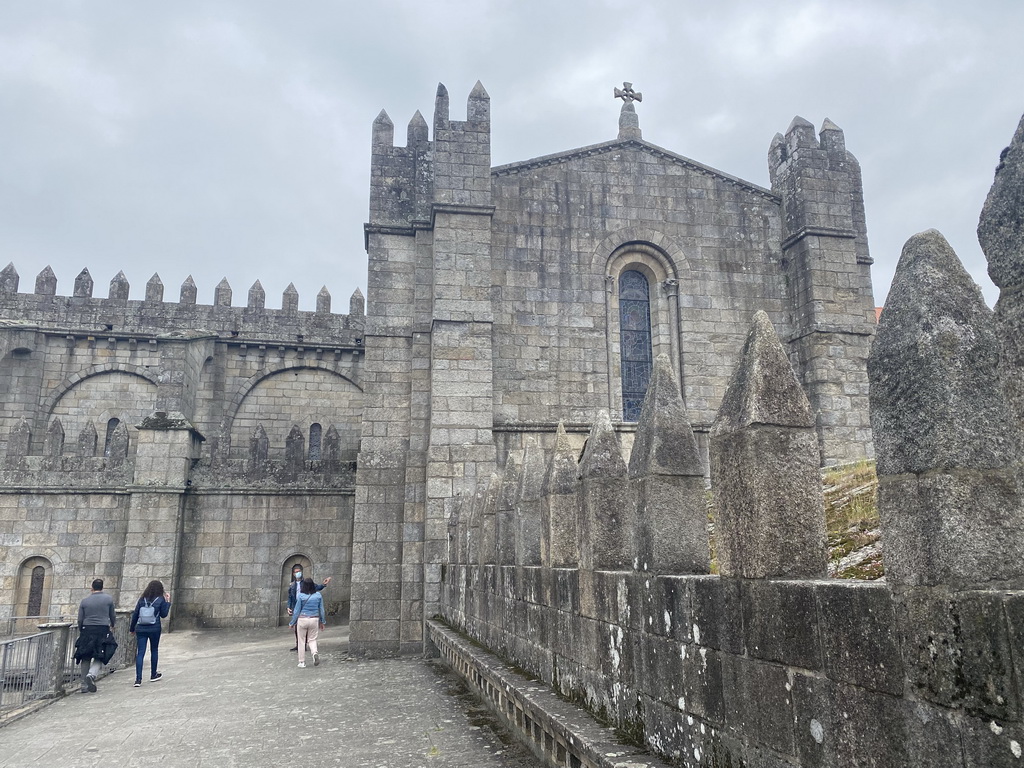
(236, 698)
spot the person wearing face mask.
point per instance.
(293, 591)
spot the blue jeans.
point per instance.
(154, 643)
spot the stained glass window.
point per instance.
(635, 341)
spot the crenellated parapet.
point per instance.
(84, 460)
(118, 314)
(401, 178)
(452, 169)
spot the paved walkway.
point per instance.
(236, 698)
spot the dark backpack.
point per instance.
(147, 613)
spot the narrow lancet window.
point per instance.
(35, 591)
(315, 441)
(635, 341)
(111, 426)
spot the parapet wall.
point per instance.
(704, 669)
(591, 574)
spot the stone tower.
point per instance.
(428, 399)
(828, 274)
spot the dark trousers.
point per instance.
(140, 654)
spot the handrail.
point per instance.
(41, 666)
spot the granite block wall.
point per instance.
(144, 439)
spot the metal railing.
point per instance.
(13, 626)
(26, 665)
(42, 665)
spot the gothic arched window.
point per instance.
(315, 441)
(635, 341)
(32, 597)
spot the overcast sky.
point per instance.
(231, 139)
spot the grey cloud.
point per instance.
(227, 138)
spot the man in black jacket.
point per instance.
(95, 622)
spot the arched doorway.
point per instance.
(286, 579)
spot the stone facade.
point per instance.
(494, 314)
(209, 447)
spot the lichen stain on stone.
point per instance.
(614, 643)
(817, 731)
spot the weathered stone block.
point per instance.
(567, 590)
(934, 736)
(717, 613)
(670, 608)
(780, 622)
(703, 683)
(957, 651)
(848, 726)
(992, 744)
(758, 703)
(858, 635)
(952, 529)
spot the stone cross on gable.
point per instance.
(627, 94)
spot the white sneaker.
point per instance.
(316, 659)
(302, 665)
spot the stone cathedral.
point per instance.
(214, 446)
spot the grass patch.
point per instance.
(851, 520)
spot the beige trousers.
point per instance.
(308, 628)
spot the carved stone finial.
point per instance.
(222, 294)
(323, 301)
(257, 296)
(357, 304)
(155, 289)
(46, 283)
(9, 280)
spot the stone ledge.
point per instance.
(557, 732)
